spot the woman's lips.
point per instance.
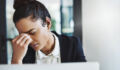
(35, 45)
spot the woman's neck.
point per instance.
(50, 44)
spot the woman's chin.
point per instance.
(37, 48)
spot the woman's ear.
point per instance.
(48, 22)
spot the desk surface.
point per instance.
(63, 66)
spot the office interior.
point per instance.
(96, 22)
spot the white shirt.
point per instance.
(52, 58)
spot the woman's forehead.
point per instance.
(26, 24)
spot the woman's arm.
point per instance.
(20, 47)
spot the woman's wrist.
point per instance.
(16, 61)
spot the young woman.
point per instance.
(36, 43)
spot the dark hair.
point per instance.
(25, 8)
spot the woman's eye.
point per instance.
(32, 33)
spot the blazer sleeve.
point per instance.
(79, 51)
(71, 49)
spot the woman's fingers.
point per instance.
(20, 46)
(20, 39)
(28, 41)
(14, 40)
(17, 37)
(24, 40)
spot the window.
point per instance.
(67, 17)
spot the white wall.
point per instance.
(101, 32)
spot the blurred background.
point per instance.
(96, 22)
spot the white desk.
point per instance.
(63, 66)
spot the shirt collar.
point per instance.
(55, 52)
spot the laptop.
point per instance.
(62, 66)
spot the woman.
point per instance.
(36, 43)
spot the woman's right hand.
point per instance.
(20, 47)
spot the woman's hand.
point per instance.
(20, 47)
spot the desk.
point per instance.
(63, 66)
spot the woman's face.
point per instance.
(38, 33)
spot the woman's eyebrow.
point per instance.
(29, 30)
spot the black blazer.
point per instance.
(70, 49)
